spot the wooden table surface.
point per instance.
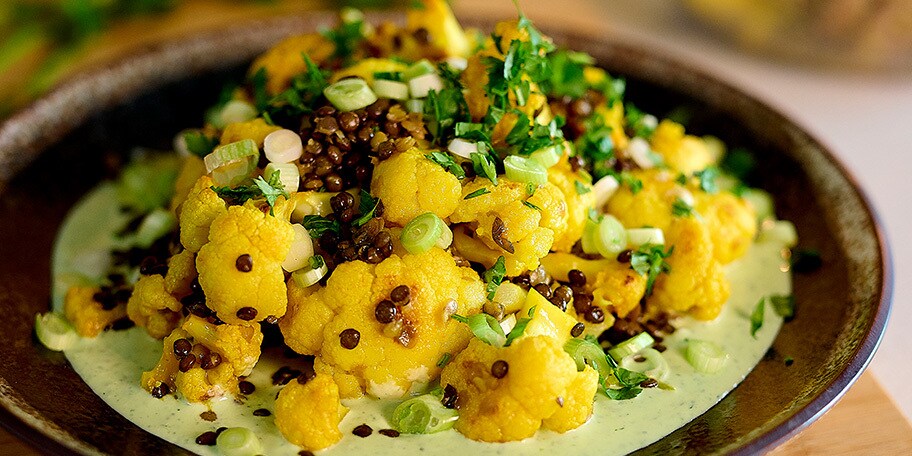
(864, 422)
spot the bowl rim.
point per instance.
(13, 136)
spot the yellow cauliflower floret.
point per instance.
(197, 212)
(181, 272)
(563, 177)
(200, 385)
(651, 206)
(152, 307)
(238, 346)
(284, 61)
(244, 230)
(390, 359)
(167, 366)
(540, 376)
(308, 415)
(86, 314)
(256, 129)
(683, 153)
(191, 170)
(444, 31)
(732, 224)
(613, 117)
(576, 407)
(617, 288)
(525, 227)
(410, 185)
(365, 69)
(304, 319)
(696, 283)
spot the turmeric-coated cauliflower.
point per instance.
(86, 314)
(181, 272)
(285, 60)
(526, 230)
(578, 204)
(443, 30)
(732, 224)
(197, 212)
(256, 129)
(410, 185)
(683, 153)
(152, 307)
(388, 359)
(540, 379)
(192, 168)
(237, 345)
(308, 414)
(696, 282)
(241, 265)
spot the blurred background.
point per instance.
(840, 68)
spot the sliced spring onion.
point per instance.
(350, 94)
(487, 329)
(289, 175)
(631, 346)
(54, 332)
(308, 276)
(457, 63)
(230, 153)
(154, 225)
(301, 250)
(641, 236)
(238, 441)
(394, 90)
(585, 352)
(610, 238)
(683, 195)
(415, 105)
(762, 202)
(603, 189)
(587, 242)
(462, 148)
(548, 156)
(639, 151)
(780, 231)
(283, 146)
(446, 237)
(525, 170)
(422, 233)
(705, 356)
(422, 85)
(423, 415)
(653, 364)
(233, 112)
(508, 323)
(419, 68)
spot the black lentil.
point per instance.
(207, 438)
(544, 290)
(594, 315)
(401, 294)
(210, 361)
(577, 278)
(362, 430)
(246, 313)
(307, 374)
(561, 297)
(577, 329)
(305, 453)
(261, 412)
(284, 375)
(625, 256)
(186, 363)
(389, 432)
(161, 390)
(244, 263)
(385, 312)
(450, 396)
(500, 368)
(582, 303)
(182, 347)
(499, 234)
(649, 383)
(246, 387)
(349, 338)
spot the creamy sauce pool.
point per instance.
(111, 364)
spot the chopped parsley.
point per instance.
(756, 317)
(316, 262)
(629, 180)
(270, 189)
(784, 305)
(198, 143)
(630, 384)
(680, 208)
(316, 225)
(531, 206)
(520, 327)
(347, 36)
(305, 92)
(530, 189)
(484, 166)
(366, 207)
(708, 179)
(494, 277)
(649, 260)
(477, 193)
(581, 188)
(596, 146)
(566, 75)
(789, 361)
(444, 360)
(389, 75)
(443, 110)
(447, 163)
(637, 125)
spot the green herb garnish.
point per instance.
(477, 193)
(531, 206)
(680, 208)
(581, 188)
(708, 179)
(316, 262)
(316, 225)
(270, 189)
(366, 207)
(447, 163)
(444, 360)
(784, 305)
(649, 260)
(756, 317)
(494, 277)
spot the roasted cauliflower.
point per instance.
(308, 414)
(410, 185)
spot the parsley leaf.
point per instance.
(444, 360)
(270, 189)
(739, 162)
(494, 277)
(637, 125)
(347, 35)
(566, 76)
(649, 260)
(784, 305)
(629, 381)
(756, 317)
(484, 166)
(708, 179)
(628, 179)
(198, 143)
(316, 225)
(305, 91)
(366, 207)
(581, 188)
(680, 208)
(477, 193)
(444, 109)
(317, 262)
(447, 163)
(518, 329)
(531, 206)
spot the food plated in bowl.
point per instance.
(343, 341)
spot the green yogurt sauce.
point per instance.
(111, 364)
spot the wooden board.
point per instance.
(864, 422)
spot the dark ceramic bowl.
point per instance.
(57, 149)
